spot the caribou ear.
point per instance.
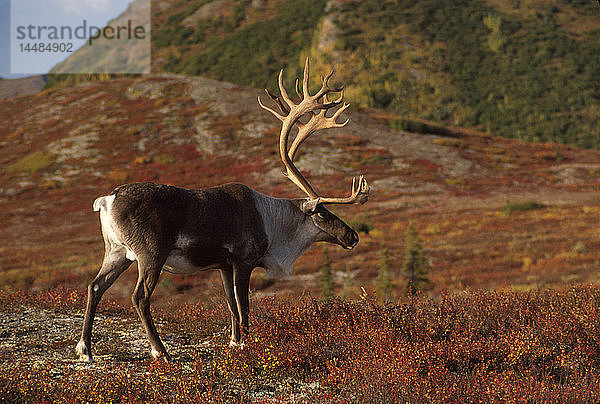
(310, 205)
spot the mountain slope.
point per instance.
(519, 69)
(61, 149)
(24, 86)
(115, 55)
(524, 70)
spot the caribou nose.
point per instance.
(353, 239)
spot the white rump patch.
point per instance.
(103, 202)
(109, 227)
(98, 203)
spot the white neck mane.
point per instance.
(289, 232)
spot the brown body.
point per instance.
(229, 227)
(210, 227)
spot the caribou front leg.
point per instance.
(227, 280)
(241, 285)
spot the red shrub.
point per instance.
(469, 347)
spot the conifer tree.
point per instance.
(384, 278)
(326, 277)
(415, 264)
(347, 283)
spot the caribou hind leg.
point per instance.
(114, 264)
(148, 274)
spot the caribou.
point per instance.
(230, 227)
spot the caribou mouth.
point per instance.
(349, 246)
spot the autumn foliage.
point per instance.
(467, 347)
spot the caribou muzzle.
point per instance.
(350, 241)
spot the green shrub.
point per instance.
(254, 54)
(384, 276)
(32, 163)
(511, 207)
(326, 277)
(417, 126)
(360, 226)
(517, 75)
(65, 80)
(415, 264)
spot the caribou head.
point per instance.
(314, 110)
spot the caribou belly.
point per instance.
(179, 263)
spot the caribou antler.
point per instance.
(316, 107)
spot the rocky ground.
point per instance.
(39, 339)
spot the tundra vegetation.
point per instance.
(511, 312)
(383, 282)
(326, 277)
(469, 347)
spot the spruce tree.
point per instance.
(415, 264)
(384, 278)
(347, 283)
(326, 277)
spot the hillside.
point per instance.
(520, 69)
(10, 88)
(113, 56)
(462, 190)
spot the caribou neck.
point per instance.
(290, 232)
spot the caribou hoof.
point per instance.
(161, 356)
(83, 352)
(235, 344)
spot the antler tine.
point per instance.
(359, 195)
(338, 113)
(297, 87)
(323, 91)
(325, 88)
(325, 80)
(361, 191)
(284, 93)
(275, 113)
(284, 109)
(332, 104)
(305, 80)
(316, 122)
